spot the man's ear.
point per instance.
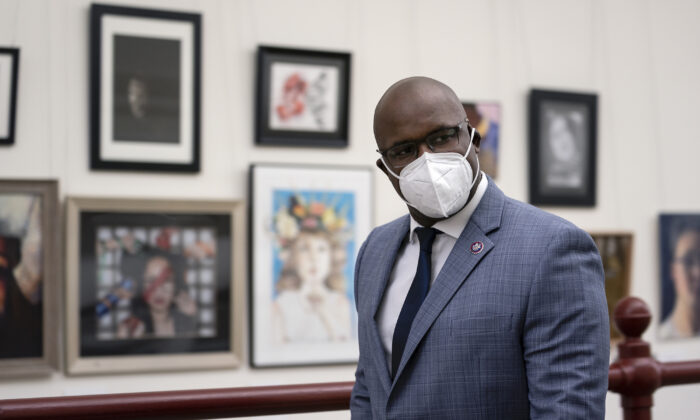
(476, 140)
(380, 165)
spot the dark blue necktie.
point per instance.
(416, 295)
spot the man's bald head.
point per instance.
(414, 97)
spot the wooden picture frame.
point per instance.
(616, 250)
(295, 210)
(153, 285)
(9, 76)
(30, 277)
(302, 97)
(145, 77)
(563, 138)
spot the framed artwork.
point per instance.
(29, 277)
(144, 89)
(562, 148)
(486, 118)
(302, 97)
(306, 226)
(616, 252)
(9, 73)
(153, 285)
(679, 245)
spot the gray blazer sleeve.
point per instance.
(360, 407)
(566, 338)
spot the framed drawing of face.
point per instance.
(307, 224)
(562, 148)
(9, 74)
(485, 117)
(302, 97)
(616, 253)
(29, 277)
(153, 285)
(144, 89)
(679, 237)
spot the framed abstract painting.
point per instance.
(153, 285)
(306, 226)
(486, 118)
(302, 97)
(144, 89)
(563, 127)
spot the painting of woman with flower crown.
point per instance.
(307, 226)
(312, 298)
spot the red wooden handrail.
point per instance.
(635, 376)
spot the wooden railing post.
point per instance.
(635, 375)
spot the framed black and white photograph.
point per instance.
(153, 285)
(302, 97)
(9, 74)
(306, 227)
(144, 89)
(562, 148)
(30, 275)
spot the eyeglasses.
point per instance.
(689, 261)
(442, 140)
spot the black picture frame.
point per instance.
(315, 113)
(563, 142)
(144, 105)
(9, 60)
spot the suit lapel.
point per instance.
(471, 246)
(385, 259)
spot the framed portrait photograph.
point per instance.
(562, 148)
(679, 246)
(485, 117)
(302, 97)
(144, 89)
(616, 253)
(9, 74)
(153, 285)
(29, 277)
(306, 227)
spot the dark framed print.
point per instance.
(153, 285)
(302, 97)
(562, 148)
(485, 117)
(307, 224)
(144, 89)
(29, 277)
(616, 253)
(679, 246)
(9, 74)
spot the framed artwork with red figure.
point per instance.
(302, 97)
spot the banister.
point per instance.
(635, 375)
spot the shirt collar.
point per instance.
(454, 225)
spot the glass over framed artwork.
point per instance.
(302, 97)
(153, 285)
(307, 224)
(144, 89)
(616, 253)
(485, 117)
(679, 246)
(562, 154)
(29, 277)
(9, 75)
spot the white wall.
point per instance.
(639, 56)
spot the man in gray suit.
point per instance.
(476, 305)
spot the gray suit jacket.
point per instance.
(518, 330)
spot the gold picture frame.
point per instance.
(29, 285)
(202, 244)
(615, 249)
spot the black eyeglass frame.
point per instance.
(427, 140)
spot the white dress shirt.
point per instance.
(407, 262)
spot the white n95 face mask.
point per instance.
(437, 184)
